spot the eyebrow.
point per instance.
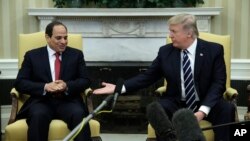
(61, 36)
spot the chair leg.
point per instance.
(151, 139)
(96, 139)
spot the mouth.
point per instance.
(62, 47)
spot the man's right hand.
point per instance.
(107, 88)
(54, 87)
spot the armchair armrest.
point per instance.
(14, 108)
(88, 92)
(14, 92)
(230, 94)
(87, 96)
(159, 91)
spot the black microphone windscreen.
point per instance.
(160, 122)
(186, 126)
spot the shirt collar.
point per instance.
(191, 49)
(50, 51)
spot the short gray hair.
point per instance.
(187, 20)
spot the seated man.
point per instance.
(54, 76)
(195, 73)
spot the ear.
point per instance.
(47, 37)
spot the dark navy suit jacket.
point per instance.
(35, 72)
(209, 72)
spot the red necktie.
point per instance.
(57, 66)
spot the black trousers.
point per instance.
(70, 110)
(223, 112)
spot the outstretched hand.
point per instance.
(107, 88)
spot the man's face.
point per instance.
(180, 38)
(59, 39)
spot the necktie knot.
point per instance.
(57, 54)
(185, 51)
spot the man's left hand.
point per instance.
(199, 115)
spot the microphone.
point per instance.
(160, 122)
(187, 126)
(117, 91)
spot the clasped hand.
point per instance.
(56, 86)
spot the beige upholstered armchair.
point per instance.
(230, 93)
(17, 130)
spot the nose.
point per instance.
(64, 40)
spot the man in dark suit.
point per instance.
(54, 88)
(207, 75)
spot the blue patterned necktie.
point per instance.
(188, 82)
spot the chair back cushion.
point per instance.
(224, 40)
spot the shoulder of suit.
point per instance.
(210, 46)
(37, 50)
(167, 47)
(207, 42)
(73, 49)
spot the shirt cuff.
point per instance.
(44, 92)
(205, 109)
(123, 89)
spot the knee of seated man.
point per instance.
(41, 114)
(230, 107)
(229, 110)
(78, 114)
(224, 107)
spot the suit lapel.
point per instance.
(64, 62)
(46, 63)
(199, 58)
(177, 64)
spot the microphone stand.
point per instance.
(226, 124)
(87, 119)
